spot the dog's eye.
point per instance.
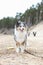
(20, 26)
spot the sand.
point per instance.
(34, 50)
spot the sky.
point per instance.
(9, 8)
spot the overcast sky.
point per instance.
(11, 7)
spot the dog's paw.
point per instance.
(17, 50)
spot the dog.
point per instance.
(20, 36)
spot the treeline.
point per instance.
(32, 16)
(8, 22)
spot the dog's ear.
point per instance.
(25, 23)
(17, 23)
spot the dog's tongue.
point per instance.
(21, 30)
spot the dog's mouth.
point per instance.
(21, 29)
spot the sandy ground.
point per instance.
(36, 43)
(34, 49)
(20, 59)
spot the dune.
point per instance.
(35, 43)
(33, 54)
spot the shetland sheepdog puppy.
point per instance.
(20, 36)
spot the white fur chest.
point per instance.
(20, 36)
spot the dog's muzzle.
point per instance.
(21, 29)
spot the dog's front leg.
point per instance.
(18, 48)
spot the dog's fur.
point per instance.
(20, 36)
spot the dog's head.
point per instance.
(21, 26)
